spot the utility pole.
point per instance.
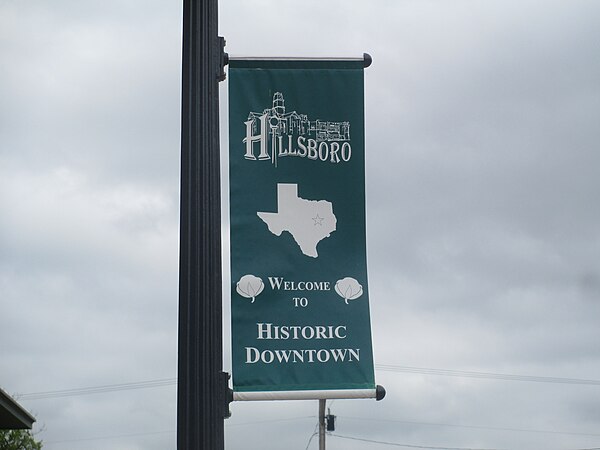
(322, 424)
(202, 393)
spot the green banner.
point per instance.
(299, 289)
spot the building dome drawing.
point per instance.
(279, 127)
(278, 104)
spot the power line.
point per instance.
(259, 422)
(311, 437)
(98, 389)
(485, 375)
(396, 444)
(151, 433)
(382, 367)
(477, 427)
(115, 436)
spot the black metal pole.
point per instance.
(202, 387)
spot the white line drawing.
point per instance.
(250, 286)
(348, 288)
(276, 128)
(308, 221)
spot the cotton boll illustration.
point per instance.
(250, 286)
(348, 288)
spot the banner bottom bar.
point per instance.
(305, 395)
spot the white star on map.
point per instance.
(318, 220)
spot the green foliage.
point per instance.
(18, 440)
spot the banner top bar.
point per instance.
(366, 59)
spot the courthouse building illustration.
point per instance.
(282, 123)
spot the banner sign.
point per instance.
(299, 289)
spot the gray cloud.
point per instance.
(482, 215)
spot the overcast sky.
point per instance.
(482, 134)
